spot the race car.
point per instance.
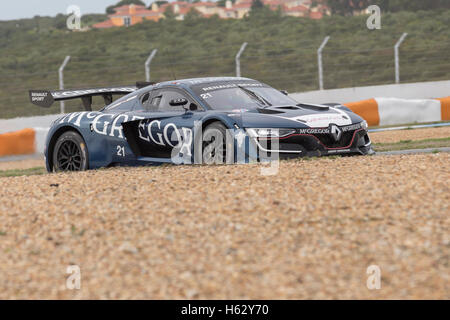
(200, 120)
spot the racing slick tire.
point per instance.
(70, 153)
(213, 144)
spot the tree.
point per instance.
(193, 14)
(60, 22)
(257, 4)
(159, 3)
(110, 9)
(192, 17)
(413, 5)
(347, 7)
(169, 14)
(263, 13)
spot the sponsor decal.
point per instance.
(213, 79)
(105, 124)
(324, 118)
(351, 128)
(38, 96)
(168, 135)
(314, 131)
(231, 85)
(329, 130)
(41, 98)
(335, 132)
(62, 94)
(321, 120)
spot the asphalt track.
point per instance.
(417, 126)
(414, 151)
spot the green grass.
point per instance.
(410, 144)
(282, 52)
(23, 172)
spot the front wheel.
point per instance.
(213, 144)
(70, 153)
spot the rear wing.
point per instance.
(45, 99)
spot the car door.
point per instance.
(109, 144)
(166, 126)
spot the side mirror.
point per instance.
(178, 102)
(193, 107)
(284, 92)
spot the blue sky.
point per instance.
(13, 9)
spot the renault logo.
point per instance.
(335, 132)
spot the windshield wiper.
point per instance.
(255, 96)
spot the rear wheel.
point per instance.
(70, 153)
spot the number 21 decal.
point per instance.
(121, 151)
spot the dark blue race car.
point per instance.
(204, 120)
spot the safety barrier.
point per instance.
(18, 142)
(377, 112)
(23, 142)
(392, 111)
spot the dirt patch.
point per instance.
(413, 134)
(21, 164)
(219, 232)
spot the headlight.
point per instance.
(364, 125)
(269, 133)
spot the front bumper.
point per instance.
(316, 142)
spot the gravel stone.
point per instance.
(227, 232)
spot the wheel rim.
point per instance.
(213, 152)
(69, 156)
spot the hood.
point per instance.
(300, 116)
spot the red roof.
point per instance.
(184, 10)
(299, 8)
(204, 4)
(242, 5)
(104, 24)
(316, 15)
(127, 6)
(274, 2)
(180, 3)
(138, 11)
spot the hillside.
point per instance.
(281, 52)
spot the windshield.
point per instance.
(244, 96)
